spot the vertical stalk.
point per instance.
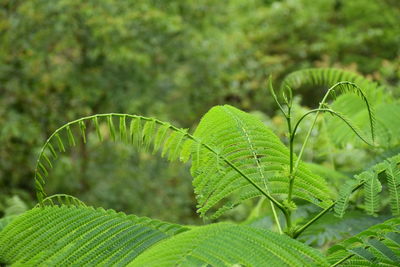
(291, 177)
(321, 104)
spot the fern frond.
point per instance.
(369, 179)
(344, 196)
(377, 246)
(326, 77)
(229, 245)
(142, 131)
(339, 81)
(247, 143)
(60, 236)
(6, 220)
(331, 229)
(61, 199)
(340, 116)
(386, 110)
(372, 188)
(393, 180)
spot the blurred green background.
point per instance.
(64, 59)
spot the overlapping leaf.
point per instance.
(248, 144)
(229, 245)
(371, 181)
(60, 236)
(377, 246)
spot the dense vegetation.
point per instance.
(234, 158)
(328, 183)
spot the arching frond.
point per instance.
(61, 199)
(256, 151)
(371, 180)
(229, 245)
(335, 82)
(142, 132)
(387, 114)
(354, 128)
(392, 173)
(327, 77)
(377, 246)
(386, 111)
(60, 236)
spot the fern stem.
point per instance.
(342, 260)
(287, 115)
(276, 218)
(322, 213)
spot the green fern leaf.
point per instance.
(60, 236)
(61, 199)
(386, 109)
(229, 245)
(136, 131)
(162, 135)
(372, 187)
(377, 240)
(148, 133)
(344, 196)
(122, 129)
(331, 229)
(82, 127)
(393, 180)
(326, 77)
(111, 127)
(97, 127)
(249, 145)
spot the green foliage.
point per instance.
(61, 60)
(79, 235)
(370, 180)
(386, 109)
(141, 131)
(327, 77)
(234, 158)
(392, 173)
(174, 60)
(229, 245)
(331, 229)
(376, 246)
(255, 151)
(83, 235)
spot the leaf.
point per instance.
(344, 195)
(393, 180)
(111, 127)
(148, 133)
(252, 148)
(377, 240)
(60, 236)
(226, 244)
(372, 187)
(96, 125)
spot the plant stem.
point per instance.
(278, 224)
(291, 177)
(322, 213)
(319, 215)
(342, 260)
